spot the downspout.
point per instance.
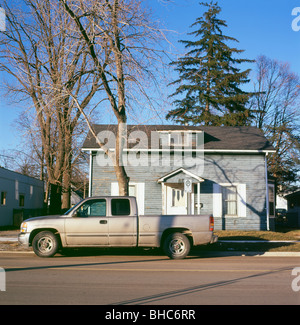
(267, 193)
(90, 174)
(198, 198)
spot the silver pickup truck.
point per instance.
(114, 222)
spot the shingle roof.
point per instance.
(215, 138)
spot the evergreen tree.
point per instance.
(209, 81)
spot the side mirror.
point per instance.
(76, 214)
(79, 214)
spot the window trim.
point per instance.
(241, 200)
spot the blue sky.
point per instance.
(260, 26)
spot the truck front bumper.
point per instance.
(23, 239)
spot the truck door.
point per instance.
(88, 225)
(122, 224)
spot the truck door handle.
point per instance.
(103, 222)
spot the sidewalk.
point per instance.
(9, 235)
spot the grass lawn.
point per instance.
(282, 234)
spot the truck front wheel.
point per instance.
(45, 244)
(176, 245)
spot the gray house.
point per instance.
(21, 197)
(190, 170)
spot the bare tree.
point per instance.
(50, 65)
(123, 43)
(276, 111)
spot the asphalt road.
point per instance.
(149, 279)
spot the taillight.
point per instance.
(211, 223)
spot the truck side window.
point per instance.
(94, 208)
(120, 207)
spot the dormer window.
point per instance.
(175, 139)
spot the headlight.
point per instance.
(23, 227)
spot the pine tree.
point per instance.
(209, 81)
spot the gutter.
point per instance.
(184, 149)
(90, 173)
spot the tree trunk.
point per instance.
(55, 199)
(66, 189)
(121, 174)
(67, 172)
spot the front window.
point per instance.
(230, 200)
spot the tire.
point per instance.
(45, 244)
(176, 246)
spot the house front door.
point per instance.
(176, 199)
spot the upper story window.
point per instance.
(174, 139)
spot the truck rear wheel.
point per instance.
(176, 246)
(45, 244)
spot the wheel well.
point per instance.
(36, 231)
(184, 231)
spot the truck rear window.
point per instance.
(120, 207)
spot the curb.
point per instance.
(16, 252)
(201, 254)
(250, 254)
(210, 254)
(257, 241)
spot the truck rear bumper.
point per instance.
(24, 239)
(214, 239)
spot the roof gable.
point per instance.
(177, 172)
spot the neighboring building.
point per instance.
(191, 170)
(293, 210)
(21, 196)
(281, 202)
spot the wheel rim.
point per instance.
(177, 246)
(45, 244)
